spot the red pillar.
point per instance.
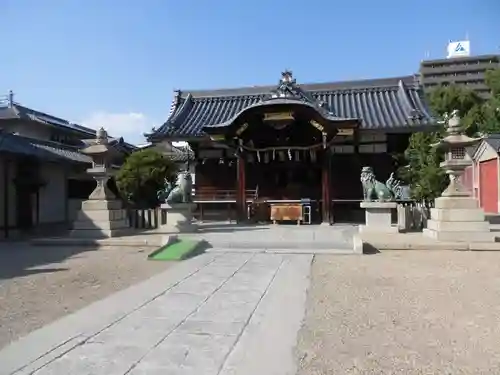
(241, 206)
(325, 187)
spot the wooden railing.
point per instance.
(413, 215)
(205, 194)
(141, 218)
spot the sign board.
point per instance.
(459, 49)
(345, 132)
(278, 116)
(217, 137)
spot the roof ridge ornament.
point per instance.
(286, 87)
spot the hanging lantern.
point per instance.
(313, 156)
(258, 156)
(289, 154)
(266, 157)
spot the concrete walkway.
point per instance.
(219, 313)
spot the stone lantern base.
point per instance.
(100, 219)
(458, 219)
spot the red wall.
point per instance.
(488, 185)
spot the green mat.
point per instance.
(179, 250)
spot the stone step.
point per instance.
(457, 214)
(458, 226)
(316, 245)
(456, 203)
(460, 236)
(132, 241)
(332, 251)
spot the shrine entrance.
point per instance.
(283, 150)
(289, 180)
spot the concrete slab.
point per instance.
(210, 313)
(54, 340)
(278, 319)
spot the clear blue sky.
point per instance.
(101, 60)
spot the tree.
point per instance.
(446, 99)
(427, 180)
(422, 171)
(491, 109)
(142, 175)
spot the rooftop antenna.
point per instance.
(11, 98)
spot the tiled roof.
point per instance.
(17, 111)
(176, 153)
(181, 153)
(493, 140)
(392, 104)
(44, 150)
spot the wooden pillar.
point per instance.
(326, 186)
(241, 206)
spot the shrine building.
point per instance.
(295, 142)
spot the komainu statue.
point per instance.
(181, 193)
(163, 193)
(376, 190)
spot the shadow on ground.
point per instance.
(369, 249)
(17, 258)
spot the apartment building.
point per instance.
(468, 71)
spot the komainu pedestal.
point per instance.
(179, 217)
(458, 219)
(378, 217)
(100, 219)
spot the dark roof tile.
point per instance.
(43, 150)
(391, 103)
(493, 140)
(17, 111)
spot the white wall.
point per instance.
(52, 196)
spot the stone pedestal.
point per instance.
(378, 217)
(100, 219)
(179, 218)
(458, 219)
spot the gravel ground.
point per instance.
(39, 285)
(403, 313)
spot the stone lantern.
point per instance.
(102, 214)
(102, 154)
(456, 215)
(455, 162)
